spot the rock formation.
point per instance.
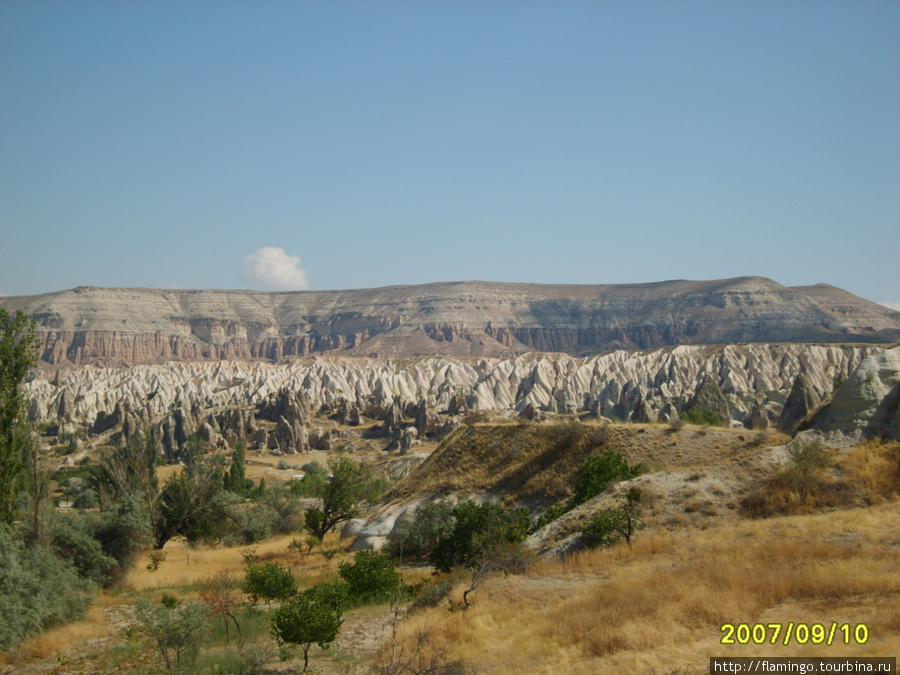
(867, 405)
(131, 326)
(228, 402)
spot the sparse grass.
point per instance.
(867, 474)
(661, 605)
(61, 638)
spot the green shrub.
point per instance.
(416, 534)
(702, 417)
(74, 541)
(269, 581)
(37, 590)
(598, 472)
(477, 530)
(372, 578)
(176, 631)
(610, 525)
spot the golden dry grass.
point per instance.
(62, 638)
(662, 603)
(186, 566)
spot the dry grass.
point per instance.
(62, 638)
(186, 566)
(867, 474)
(661, 604)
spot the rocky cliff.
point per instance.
(225, 402)
(130, 326)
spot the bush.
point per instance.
(611, 525)
(176, 632)
(807, 462)
(416, 534)
(477, 530)
(598, 472)
(269, 581)
(702, 417)
(372, 578)
(73, 541)
(553, 513)
(37, 590)
(124, 531)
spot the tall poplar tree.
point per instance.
(18, 353)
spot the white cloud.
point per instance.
(893, 305)
(273, 269)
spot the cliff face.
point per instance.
(129, 326)
(224, 400)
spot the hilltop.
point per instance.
(473, 318)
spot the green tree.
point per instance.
(341, 498)
(268, 582)
(236, 478)
(610, 525)
(18, 353)
(372, 577)
(130, 471)
(307, 619)
(187, 500)
(597, 473)
(478, 529)
(415, 535)
(176, 631)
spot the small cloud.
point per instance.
(892, 305)
(273, 269)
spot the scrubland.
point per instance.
(759, 555)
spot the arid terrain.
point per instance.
(736, 529)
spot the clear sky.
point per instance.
(359, 144)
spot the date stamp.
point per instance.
(798, 633)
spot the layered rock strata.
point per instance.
(129, 326)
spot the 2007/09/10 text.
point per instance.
(800, 633)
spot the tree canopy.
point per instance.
(18, 353)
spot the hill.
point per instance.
(473, 318)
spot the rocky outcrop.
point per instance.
(802, 400)
(709, 397)
(229, 402)
(867, 405)
(481, 319)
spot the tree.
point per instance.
(38, 482)
(269, 582)
(175, 631)
(610, 525)
(236, 479)
(372, 577)
(221, 599)
(478, 530)
(130, 471)
(341, 497)
(306, 620)
(18, 353)
(188, 498)
(598, 472)
(415, 535)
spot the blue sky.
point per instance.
(358, 144)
